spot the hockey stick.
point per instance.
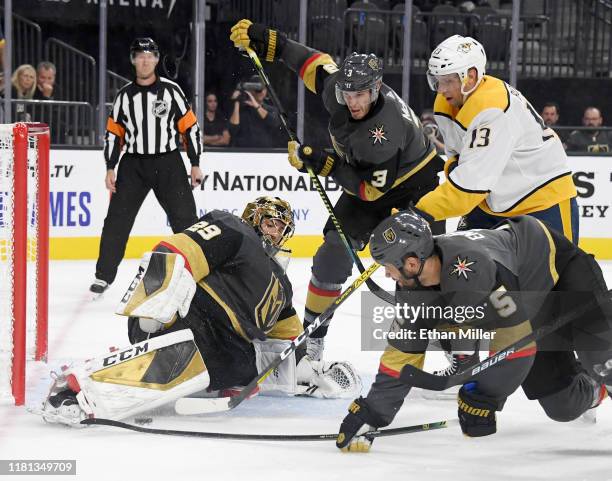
(426, 380)
(208, 405)
(375, 288)
(378, 433)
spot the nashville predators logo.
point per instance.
(270, 306)
(378, 134)
(462, 267)
(465, 47)
(160, 108)
(389, 235)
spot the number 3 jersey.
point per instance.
(242, 294)
(501, 156)
(377, 153)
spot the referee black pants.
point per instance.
(137, 175)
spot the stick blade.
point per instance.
(188, 406)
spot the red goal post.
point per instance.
(24, 251)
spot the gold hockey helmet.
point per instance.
(267, 207)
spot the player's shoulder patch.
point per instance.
(464, 265)
(491, 94)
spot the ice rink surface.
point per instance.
(528, 446)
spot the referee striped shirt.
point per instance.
(151, 119)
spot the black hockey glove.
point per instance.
(319, 161)
(359, 421)
(268, 43)
(476, 412)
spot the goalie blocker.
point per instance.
(219, 281)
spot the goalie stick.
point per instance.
(188, 406)
(378, 433)
(425, 380)
(375, 288)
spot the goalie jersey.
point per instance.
(243, 295)
(373, 155)
(501, 156)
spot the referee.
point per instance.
(150, 117)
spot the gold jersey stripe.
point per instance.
(309, 73)
(541, 198)
(552, 254)
(448, 200)
(490, 94)
(288, 328)
(228, 310)
(372, 193)
(505, 336)
(193, 254)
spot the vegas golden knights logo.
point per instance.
(270, 306)
(389, 235)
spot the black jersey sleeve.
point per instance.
(208, 244)
(317, 69)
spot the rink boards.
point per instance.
(79, 200)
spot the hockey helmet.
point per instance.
(270, 208)
(405, 234)
(359, 72)
(456, 55)
(143, 44)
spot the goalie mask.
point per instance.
(272, 219)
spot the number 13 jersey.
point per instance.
(501, 156)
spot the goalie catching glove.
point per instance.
(268, 43)
(162, 287)
(319, 161)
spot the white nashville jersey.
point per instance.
(504, 150)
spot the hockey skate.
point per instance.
(457, 363)
(97, 288)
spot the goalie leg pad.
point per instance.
(132, 380)
(283, 379)
(162, 287)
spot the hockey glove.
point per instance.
(319, 161)
(355, 425)
(476, 412)
(266, 42)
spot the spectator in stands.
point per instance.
(591, 139)
(430, 128)
(45, 81)
(24, 82)
(550, 115)
(255, 123)
(23, 87)
(216, 127)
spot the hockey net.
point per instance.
(24, 247)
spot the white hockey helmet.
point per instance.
(456, 54)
